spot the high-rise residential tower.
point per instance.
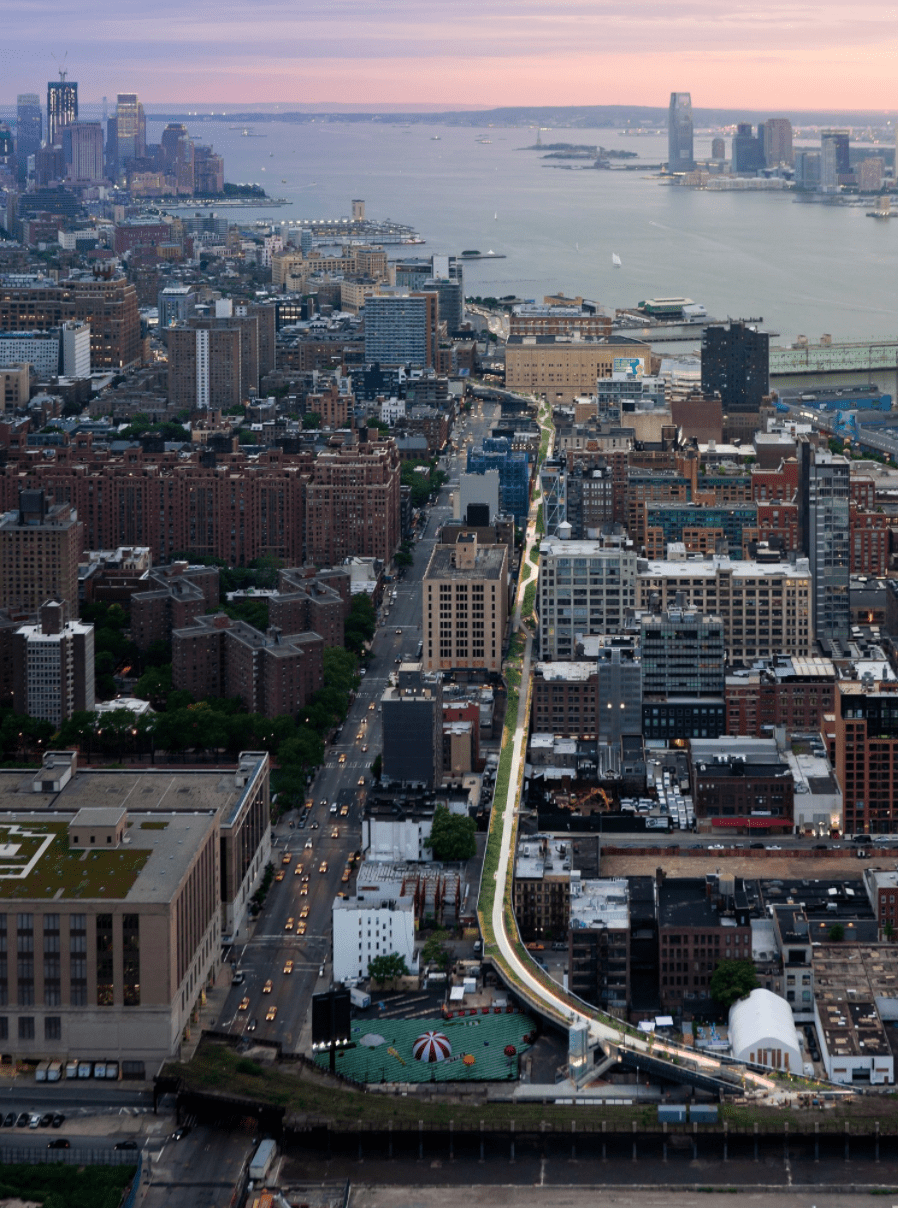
(679, 133)
(29, 129)
(736, 365)
(824, 501)
(834, 158)
(62, 109)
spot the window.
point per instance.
(131, 945)
(53, 1027)
(26, 1027)
(105, 984)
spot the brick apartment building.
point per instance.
(228, 506)
(312, 602)
(791, 692)
(270, 673)
(352, 504)
(866, 754)
(40, 545)
(700, 923)
(171, 598)
(108, 304)
(740, 785)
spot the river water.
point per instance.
(803, 268)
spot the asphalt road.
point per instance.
(343, 779)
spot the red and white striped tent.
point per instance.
(432, 1046)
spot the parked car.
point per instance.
(126, 1145)
(58, 1120)
(61, 1143)
(9, 1119)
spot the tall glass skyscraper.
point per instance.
(825, 517)
(29, 129)
(62, 109)
(679, 133)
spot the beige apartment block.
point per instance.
(465, 606)
(564, 367)
(766, 608)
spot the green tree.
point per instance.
(435, 951)
(452, 835)
(361, 624)
(387, 968)
(155, 686)
(311, 419)
(888, 930)
(731, 981)
(836, 933)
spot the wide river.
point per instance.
(803, 268)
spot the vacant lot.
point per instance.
(769, 867)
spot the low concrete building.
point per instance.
(373, 923)
(599, 942)
(855, 986)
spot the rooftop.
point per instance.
(847, 981)
(36, 861)
(602, 903)
(709, 567)
(489, 563)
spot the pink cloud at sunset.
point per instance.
(798, 56)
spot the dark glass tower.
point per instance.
(29, 129)
(679, 133)
(736, 365)
(62, 109)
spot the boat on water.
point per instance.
(434, 138)
(615, 260)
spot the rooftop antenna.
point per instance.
(60, 67)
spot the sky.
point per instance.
(793, 55)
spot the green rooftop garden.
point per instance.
(78, 873)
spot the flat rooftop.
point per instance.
(489, 563)
(138, 791)
(37, 863)
(574, 672)
(693, 568)
(847, 982)
(601, 903)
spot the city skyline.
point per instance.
(803, 58)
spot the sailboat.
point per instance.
(615, 260)
(496, 216)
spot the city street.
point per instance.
(345, 783)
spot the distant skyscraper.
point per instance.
(62, 109)
(171, 137)
(748, 151)
(29, 129)
(834, 158)
(718, 148)
(82, 147)
(778, 141)
(736, 365)
(679, 133)
(130, 130)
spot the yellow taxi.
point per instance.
(301, 928)
(266, 989)
(323, 866)
(344, 809)
(279, 875)
(288, 966)
(244, 1004)
(286, 858)
(271, 1013)
(288, 926)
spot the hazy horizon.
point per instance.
(805, 57)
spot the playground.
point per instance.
(472, 1048)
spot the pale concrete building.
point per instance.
(375, 923)
(124, 884)
(564, 367)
